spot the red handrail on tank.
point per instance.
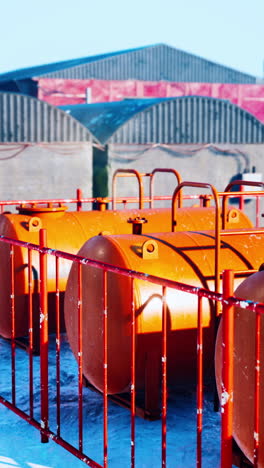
(80, 200)
(128, 173)
(241, 195)
(217, 222)
(151, 184)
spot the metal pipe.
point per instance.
(13, 323)
(164, 378)
(133, 372)
(128, 173)
(241, 198)
(199, 383)
(43, 336)
(257, 391)
(58, 345)
(79, 199)
(30, 333)
(80, 359)
(105, 367)
(217, 224)
(151, 184)
(227, 371)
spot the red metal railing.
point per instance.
(203, 199)
(80, 201)
(42, 424)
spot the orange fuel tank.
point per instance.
(68, 231)
(187, 257)
(251, 288)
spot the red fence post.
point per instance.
(80, 357)
(30, 333)
(105, 370)
(199, 393)
(13, 324)
(58, 346)
(164, 378)
(257, 392)
(43, 323)
(133, 372)
(227, 371)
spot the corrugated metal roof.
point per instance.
(152, 63)
(41, 70)
(26, 119)
(189, 119)
(103, 119)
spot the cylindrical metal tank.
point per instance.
(68, 231)
(187, 257)
(251, 288)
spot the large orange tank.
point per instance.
(68, 231)
(244, 368)
(187, 257)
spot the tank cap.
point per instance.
(137, 223)
(34, 208)
(101, 203)
(150, 250)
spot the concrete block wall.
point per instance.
(39, 171)
(214, 164)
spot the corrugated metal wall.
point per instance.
(155, 63)
(191, 119)
(26, 119)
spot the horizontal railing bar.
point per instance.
(89, 200)
(243, 193)
(20, 413)
(234, 232)
(127, 199)
(215, 296)
(59, 440)
(113, 269)
(50, 200)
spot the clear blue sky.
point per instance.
(34, 32)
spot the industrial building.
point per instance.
(154, 71)
(140, 311)
(203, 138)
(134, 132)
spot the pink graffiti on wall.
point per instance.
(63, 92)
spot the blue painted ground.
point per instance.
(20, 445)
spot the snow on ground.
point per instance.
(20, 443)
